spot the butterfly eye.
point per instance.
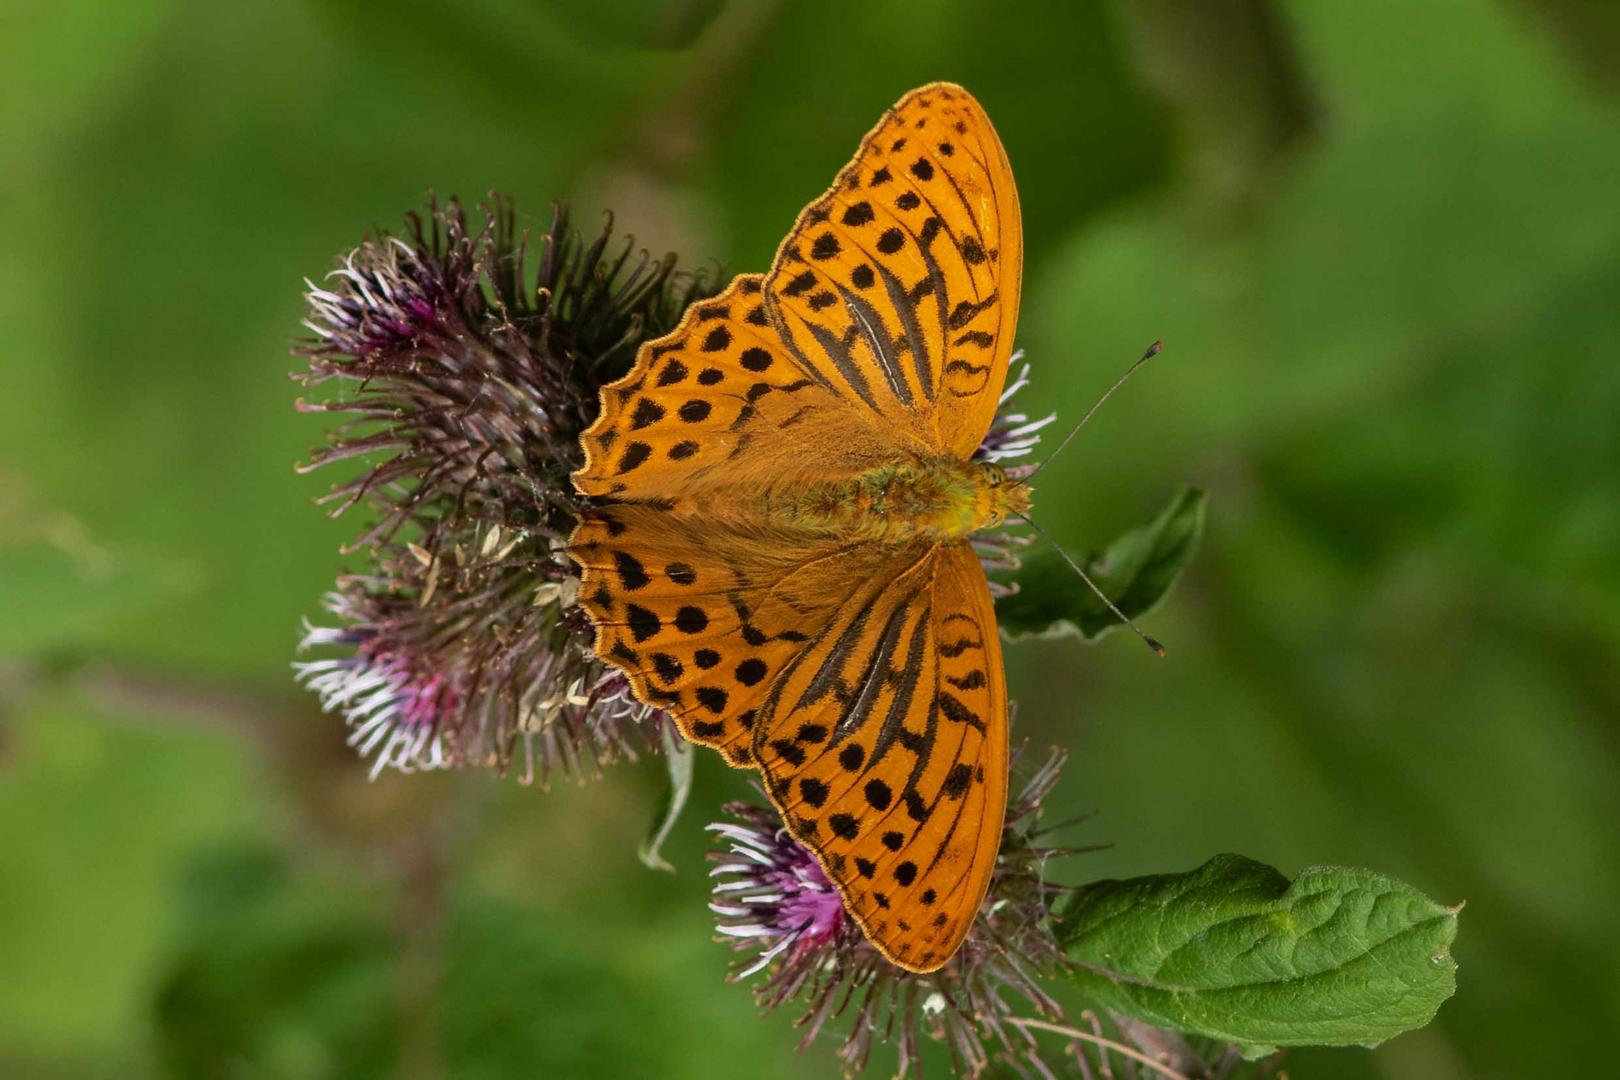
(993, 473)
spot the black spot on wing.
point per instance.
(646, 412)
(643, 623)
(668, 667)
(802, 283)
(857, 214)
(789, 752)
(634, 454)
(965, 312)
(632, 575)
(958, 713)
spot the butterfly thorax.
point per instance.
(939, 500)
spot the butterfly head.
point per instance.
(998, 496)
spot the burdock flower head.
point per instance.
(1013, 435)
(464, 368)
(772, 901)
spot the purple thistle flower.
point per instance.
(774, 891)
(464, 378)
(772, 900)
(1013, 434)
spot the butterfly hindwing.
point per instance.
(899, 287)
(884, 745)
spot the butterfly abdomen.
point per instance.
(940, 500)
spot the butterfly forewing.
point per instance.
(899, 287)
(714, 404)
(884, 745)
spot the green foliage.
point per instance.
(102, 811)
(1235, 951)
(63, 592)
(1136, 571)
(518, 999)
(284, 984)
(281, 976)
(678, 754)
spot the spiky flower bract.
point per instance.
(1013, 435)
(465, 367)
(772, 901)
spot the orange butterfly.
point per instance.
(780, 557)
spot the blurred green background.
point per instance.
(1382, 242)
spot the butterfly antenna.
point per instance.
(1152, 351)
(1126, 619)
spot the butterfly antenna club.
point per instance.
(1152, 351)
(1152, 643)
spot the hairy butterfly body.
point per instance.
(781, 554)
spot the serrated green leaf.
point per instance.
(678, 759)
(1136, 571)
(1235, 951)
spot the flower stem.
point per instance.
(1119, 1048)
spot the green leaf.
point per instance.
(278, 976)
(62, 590)
(1234, 951)
(1136, 571)
(678, 758)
